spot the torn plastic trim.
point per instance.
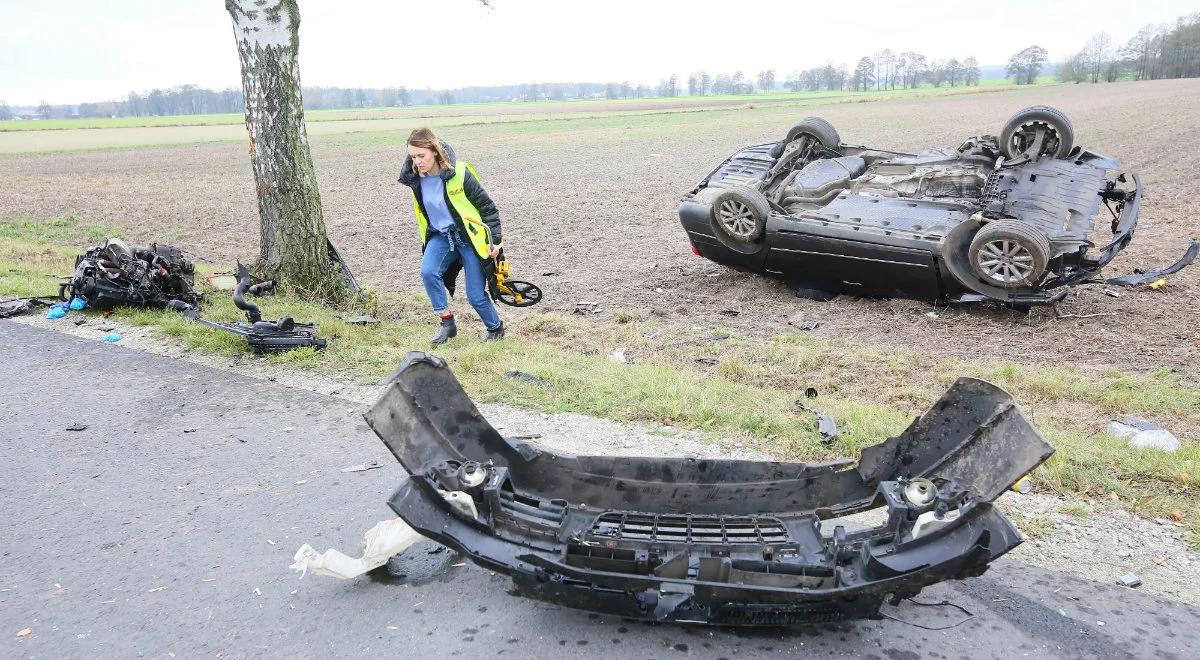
(717, 541)
(1138, 279)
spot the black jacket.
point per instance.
(471, 186)
(477, 196)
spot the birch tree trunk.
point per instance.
(295, 248)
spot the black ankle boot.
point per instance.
(495, 335)
(447, 331)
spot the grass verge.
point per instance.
(708, 378)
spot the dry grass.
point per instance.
(748, 392)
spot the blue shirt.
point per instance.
(433, 197)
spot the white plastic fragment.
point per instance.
(382, 542)
(1155, 439)
(1118, 430)
(1144, 433)
(1130, 580)
(930, 520)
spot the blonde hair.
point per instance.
(423, 138)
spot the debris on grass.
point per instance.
(1143, 433)
(1130, 580)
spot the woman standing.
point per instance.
(459, 227)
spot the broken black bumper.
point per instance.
(711, 541)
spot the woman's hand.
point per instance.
(493, 250)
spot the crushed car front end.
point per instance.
(726, 542)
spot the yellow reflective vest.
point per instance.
(472, 222)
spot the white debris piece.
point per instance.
(1156, 439)
(1144, 433)
(930, 521)
(382, 542)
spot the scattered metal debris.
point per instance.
(373, 465)
(77, 426)
(266, 336)
(527, 377)
(800, 322)
(586, 307)
(21, 305)
(361, 320)
(825, 424)
(1130, 580)
(730, 542)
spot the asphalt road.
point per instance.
(167, 526)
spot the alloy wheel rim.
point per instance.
(1006, 261)
(737, 218)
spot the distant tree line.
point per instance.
(191, 99)
(1155, 52)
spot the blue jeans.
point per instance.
(441, 252)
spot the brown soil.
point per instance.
(589, 210)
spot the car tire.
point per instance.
(822, 130)
(1010, 254)
(740, 213)
(1018, 130)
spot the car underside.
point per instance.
(728, 542)
(1008, 217)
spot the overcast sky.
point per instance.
(69, 51)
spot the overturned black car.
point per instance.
(725, 542)
(1007, 218)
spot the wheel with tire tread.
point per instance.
(738, 212)
(1010, 254)
(1017, 135)
(822, 130)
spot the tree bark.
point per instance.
(295, 248)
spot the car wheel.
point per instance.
(1020, 133)
(739, 213)
(818, 128)
(1010, 254)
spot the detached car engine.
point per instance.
(115, 273)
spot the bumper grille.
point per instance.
(714, 530)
